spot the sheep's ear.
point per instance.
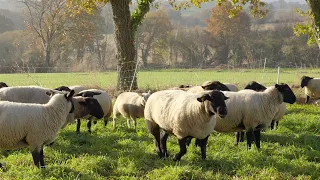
(203, 98)
(79, 94)
(50, 93)
(96, 93)
(225, 97)
(149, 92)
(277, 86)
(70, 94)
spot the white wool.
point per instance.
(313, 88)
(250, 108)
(195, 89)
(281, 112)
(130, 105)
(33, 125)
(232, 87)
(180, 113)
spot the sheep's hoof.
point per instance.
(176, 158)
(89, 131)
(4, 169)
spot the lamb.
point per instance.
(33, 125)
(131, 106)
(35, 94)
(183, 114)
(209, 85)
(2, 84)
(251, 111)
(311, 87)
(104, 101)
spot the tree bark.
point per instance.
(124, 40)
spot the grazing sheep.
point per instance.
(232, 87)
(311, 87)
(2, 84)
(104, 101)
(209, 85)
(33, 125)
(251, 111)
(131, 106)
(185, 115)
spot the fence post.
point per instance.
(278, 77)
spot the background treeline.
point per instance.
(192, 38)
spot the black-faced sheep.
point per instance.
(209, 85)
(252, 111)
(185, 115)
(311, 87)
(33, 125)
(131, 106)
(2, 84)
(104, 101)
(76, 88)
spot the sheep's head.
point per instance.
(288, 95)
(216, 104)
(93, 106)
(144, 98)
(88, 94)
(63, 88)
(2, 84)
(255, 86)
(305, 80)
(214, 85)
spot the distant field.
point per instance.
(290, 152)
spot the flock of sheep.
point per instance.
(31, 116)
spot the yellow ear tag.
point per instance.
(202, 99)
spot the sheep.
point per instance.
(311, 87)
(131, 106)
(35, 94)
(251, 111)
(33, 125)
(232, 87)
(183, 114)
(209, 85)
(2, 84)
(76, 88)
(253, 85)
(104, 101)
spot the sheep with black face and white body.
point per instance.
(33, 125)
(185, 115)
(105, 103)
(311, 87)
(131, 106)
(252, 111)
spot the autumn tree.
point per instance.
(228, 32)
(153, 32)
(45, 18)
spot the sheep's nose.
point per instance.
(222, 112)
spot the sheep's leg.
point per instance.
(277, 124)
(241, 136)
(188, 141)
(89, 124)
(128, 122)
(197, 142)
(203, 145)
(238, 134)
(307, 99)
(78, 126)
(183, 149)
(257, 137)
(36, 158)
(95, 122)
(272, 125)
(134, 123)
(105, 120)
(163, 143)
(249, 135)
(154, 129)
(42, 158)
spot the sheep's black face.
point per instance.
(255, 86)
(217, 103)
(63, 88)
(2, 84)
(94, 107)
(305, 80)
(215, 85)
(88, 94)
(288, 95)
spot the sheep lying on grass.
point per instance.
(33, 125)
(131, 106)
(105, 103)
(311, 87)
(252, 111)
(185, 115)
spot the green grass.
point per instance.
(290, 152)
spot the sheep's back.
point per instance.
(25, 94)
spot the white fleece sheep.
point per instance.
(311, 87)
(183, 114)
(131, 106)
(104, 101)
(33, 125)
(251, 111)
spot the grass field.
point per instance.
(290, 152)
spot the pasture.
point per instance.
(290, 152)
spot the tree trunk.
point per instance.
(124, 39)
(48, 57)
